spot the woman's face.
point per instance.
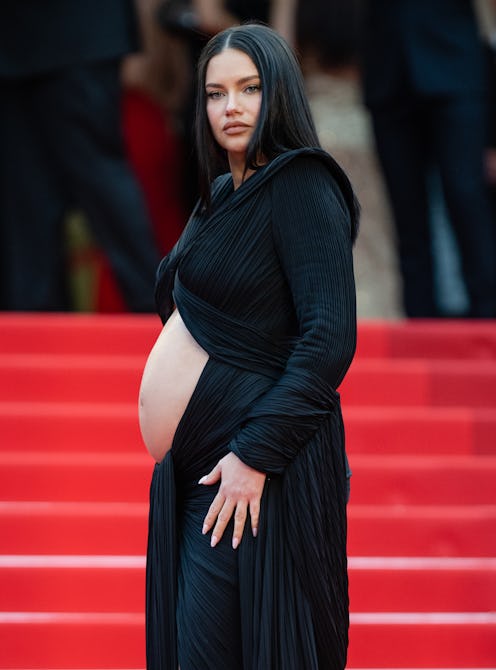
(234, 95)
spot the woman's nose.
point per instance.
(232, 105)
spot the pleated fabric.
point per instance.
(264, 283)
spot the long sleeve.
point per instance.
(311, 229)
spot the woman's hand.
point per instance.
(240, 489)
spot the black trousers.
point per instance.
(61, 148)
(448, 133)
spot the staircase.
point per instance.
(420, 411)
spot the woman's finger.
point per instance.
(254, 515)
(212, 477)
(223, 519)
(213, 512)
(239, 523)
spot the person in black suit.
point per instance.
(62, 148)
(425, 86)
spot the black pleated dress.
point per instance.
(265, 285)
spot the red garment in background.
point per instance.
(155, 154)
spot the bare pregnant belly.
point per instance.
(171, 374)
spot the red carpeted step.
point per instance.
(427, 339)
(375, 530)
(420, 430)
(72, 640)
(71, 427)
(116, 584)
(97, 477)
(423, 584)
(95, 379)
(423, 480)
(47, 378)
(422, 640)
(73, 528)
(65, 640)
(396, 383)
(72, 583)
(76, 334)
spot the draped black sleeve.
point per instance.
(312, 233)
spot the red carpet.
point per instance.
(420, 410)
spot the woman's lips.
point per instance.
(235, 128)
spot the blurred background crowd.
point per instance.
(97, 163)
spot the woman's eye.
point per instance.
(214, 95)
(253, 88)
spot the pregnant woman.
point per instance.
(246, 565)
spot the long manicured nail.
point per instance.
(214, 540)
(204, 529)
(200, 481)
(235, 543)
(254, 531)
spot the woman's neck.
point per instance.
(239, 172)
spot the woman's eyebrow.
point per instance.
(243, 80)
